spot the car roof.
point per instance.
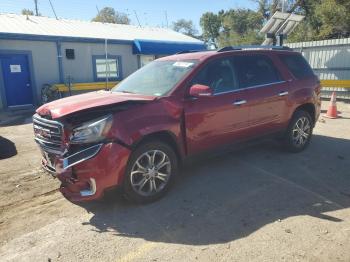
(202, 55)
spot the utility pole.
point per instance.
(166, 19)
(107, 64)
(283, 5)
(36, 7)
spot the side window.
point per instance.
(255, 70)
(297, 65)
(219, 75)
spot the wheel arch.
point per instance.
(163, 136)
(309, 108)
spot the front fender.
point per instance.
(159, 116)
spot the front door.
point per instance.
(16, 78)
(220, 119)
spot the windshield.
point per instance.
(156, 78)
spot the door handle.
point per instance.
(239, 102)
(283, 93)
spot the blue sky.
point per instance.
(150, 12)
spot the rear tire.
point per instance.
(150, 172)
(299, 132)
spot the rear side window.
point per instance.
(255, 70)
(297, 65)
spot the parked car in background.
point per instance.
(136, 135)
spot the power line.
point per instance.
(137, 18)
(53, 10)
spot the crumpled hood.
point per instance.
(68, 105)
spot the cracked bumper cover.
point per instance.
(86, 174)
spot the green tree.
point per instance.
(324, 19)
(185, 27)
(109, 15)
(27, 12)
(268, 7)
(232, 27)
(308, 29)
(334, 18)
(241, 26)
(211, 25)
(263, 8)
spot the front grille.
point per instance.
(48, 134)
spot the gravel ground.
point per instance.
(257, 203)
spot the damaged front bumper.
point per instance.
(87, 173)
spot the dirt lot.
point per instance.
(254, 204)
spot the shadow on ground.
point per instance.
(7, 148)
(16, 118)
(230, 196)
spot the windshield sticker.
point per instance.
(183, 64)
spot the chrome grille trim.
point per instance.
(48, 134)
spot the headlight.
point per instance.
(92, 131)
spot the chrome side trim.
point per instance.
(66, 160)
(91, 191)
(251, 87)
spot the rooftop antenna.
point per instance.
(137, 18)
(36, 7)
(53, 10)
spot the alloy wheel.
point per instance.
(301, 131)
(150, 173)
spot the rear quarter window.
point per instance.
(297, 65)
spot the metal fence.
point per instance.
(330, 60)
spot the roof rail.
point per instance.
(193, 51)
(242, 47)
(188, 51)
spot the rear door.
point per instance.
(267, 92)
(220, 119)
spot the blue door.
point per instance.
(16, 78)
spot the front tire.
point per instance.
(299, 132)
(150, 172)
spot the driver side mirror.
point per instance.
(198, 90)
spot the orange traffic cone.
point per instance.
(332, 109)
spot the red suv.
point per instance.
(136, 135)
